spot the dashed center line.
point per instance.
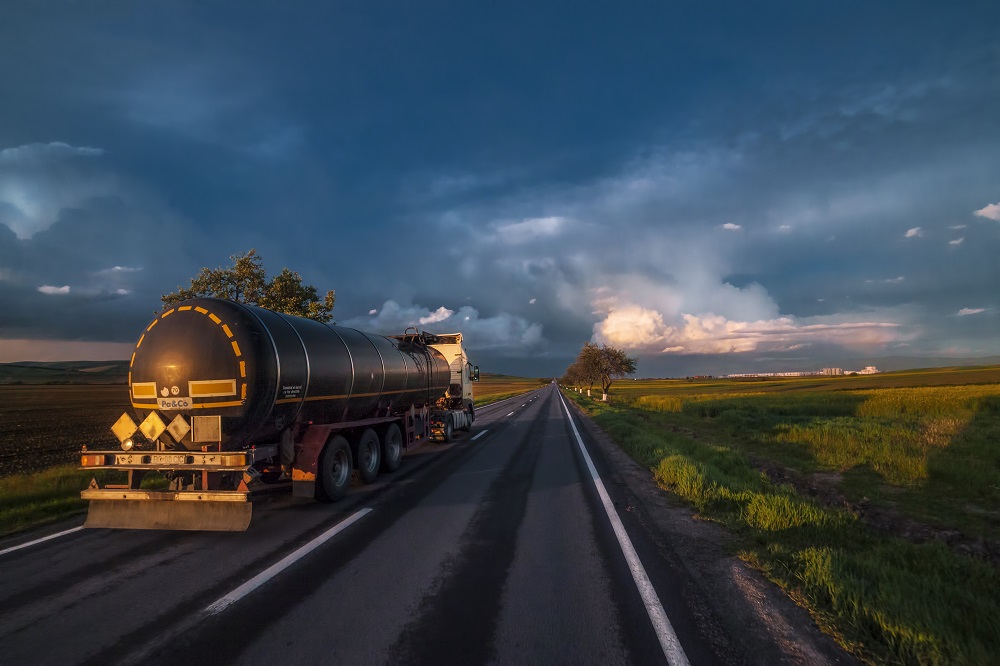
(275, 569)
(479, 435)
(36, 541)
(511, 414)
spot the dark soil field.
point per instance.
(41, 426)
(46, 425)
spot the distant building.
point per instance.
(869, 370)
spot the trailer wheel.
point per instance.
(334, 473)
(448, 430)
(392, 448)
(369, 456)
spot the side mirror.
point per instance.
(475, 373)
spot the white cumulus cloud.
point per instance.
(38, 180)
(525, 231)
(504, 332)
(957, 241)
(729, 226)
(970, 311)
(438, 315)
(49, 289)
(990, 212)
(915, 232)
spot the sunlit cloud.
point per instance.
(957, 241)
(440, 314)
(970, 311)
(637, 328)
(990, 212)
(915, 232)
(729, 226)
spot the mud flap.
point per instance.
(170, 515)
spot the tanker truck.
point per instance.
(229, 396)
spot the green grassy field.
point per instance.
(873, 500)
(493, 388)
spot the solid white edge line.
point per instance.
(479, 435)
(669, 642)
(37, 541)
(273, 570)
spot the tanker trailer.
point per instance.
(229, 396)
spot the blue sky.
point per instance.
(718, 186)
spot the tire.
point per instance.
(333, 477)
(369, 456)
(470, 417)
(447, 434)
(392, 448)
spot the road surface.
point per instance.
(508, 546)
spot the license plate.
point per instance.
(166, 459)
(176, 402)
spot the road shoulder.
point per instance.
(761, 623)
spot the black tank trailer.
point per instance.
(228, 394)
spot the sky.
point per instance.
(712, 186)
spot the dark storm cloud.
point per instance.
(683, 178)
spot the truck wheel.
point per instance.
(334, 473)
(369, 456)
(448, 431)
(392, 448)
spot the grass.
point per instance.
(32, 500)
(494, 388)
(930, 453)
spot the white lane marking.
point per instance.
(37, 541)
(479, 435)
(524, 404)
(273, 570)
(664, 630)
(511, 414)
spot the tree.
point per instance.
(246, 282)
(602, 364)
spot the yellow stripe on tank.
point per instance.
(214, 388)
(144, 390)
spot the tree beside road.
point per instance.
(601, 364)
(246, 282)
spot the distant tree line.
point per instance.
(598, 364)
(246, 282)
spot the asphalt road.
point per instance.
(497, 548)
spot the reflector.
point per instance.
(178, 428)
(153, 426)
(124, 428)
